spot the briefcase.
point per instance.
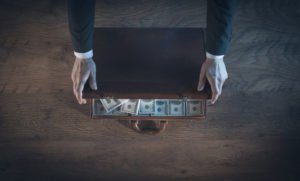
(148, 74)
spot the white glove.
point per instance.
(83, 70)
(214, 70)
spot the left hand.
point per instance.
(214, 70)
(83, 70)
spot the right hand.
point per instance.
(83, 70)
(213, 70)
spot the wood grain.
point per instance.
(252, 133)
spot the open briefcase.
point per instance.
(148, 74)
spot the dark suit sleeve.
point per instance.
(81, 14)
(219, 25)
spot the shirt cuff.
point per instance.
(211, 56)
(84, 55)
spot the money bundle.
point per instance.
(194, 107)
(147, 106)
(176, 107)
(161, 107)
(99, 109)
(111, 104)
(131, 106)
(118, 112)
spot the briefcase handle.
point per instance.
(160, 127)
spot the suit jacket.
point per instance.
(220, 14)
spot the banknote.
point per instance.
(176, 107)
(98, 108)
(194, 107)
(131, 106)
(117, 112)
(147, 106)
(111, 104)
(161, 107)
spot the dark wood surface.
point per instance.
(251, 133)
(148, 63)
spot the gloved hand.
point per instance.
(83, 70)
(214, 70)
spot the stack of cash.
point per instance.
(148, 107)
(161, 107)
(131, 106)
(194, 107)
(176, 107)
(111, 104)
(118, 112)
(99, 109)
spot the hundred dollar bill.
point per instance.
(117, 112)
(176, 107)
(161, 107)
(111, 104)
(194, 107)
(131, 106)
(146, 106)
(98, 108)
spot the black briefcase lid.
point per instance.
(148, 63)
